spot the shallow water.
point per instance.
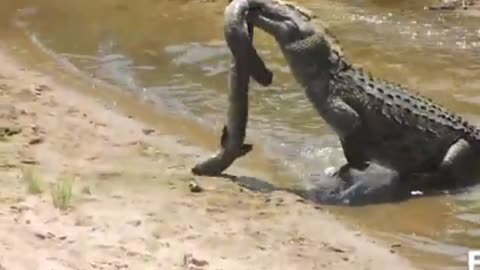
(172, 53)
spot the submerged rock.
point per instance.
(455, 5)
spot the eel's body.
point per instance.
(246, 63)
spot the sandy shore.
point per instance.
(131, 206)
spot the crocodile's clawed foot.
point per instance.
(375, 184)
(344, 173)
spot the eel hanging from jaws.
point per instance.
(246, 63)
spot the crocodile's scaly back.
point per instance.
(365, 92)
(391, 100)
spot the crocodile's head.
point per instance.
(283, 20)
(311, 51)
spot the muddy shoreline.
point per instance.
(131, 206)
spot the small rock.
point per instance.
(261, 247)
(135, 223)
(37, 140)
(396, 245)
(40, 236)
(35, 128)
(194, 187)
(192, 263)
(91, 158)
(10, 131)
(279, 202)
(20, 208)
(40, 88)
(336, 249)
(29, 162)
(148, 131)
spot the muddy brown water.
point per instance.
(172, 53)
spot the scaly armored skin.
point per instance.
(376, 121)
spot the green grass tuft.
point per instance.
(34, 183)
(62, 193)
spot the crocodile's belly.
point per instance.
(405, 149)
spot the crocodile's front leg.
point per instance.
(353, 152)
(346, 122)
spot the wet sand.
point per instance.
(131, 205)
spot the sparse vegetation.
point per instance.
(34, 183)
(62, 193)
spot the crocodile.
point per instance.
(377, 121)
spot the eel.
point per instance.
(246, 62)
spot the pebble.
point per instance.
(194, 187)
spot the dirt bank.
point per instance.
(127, 205)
